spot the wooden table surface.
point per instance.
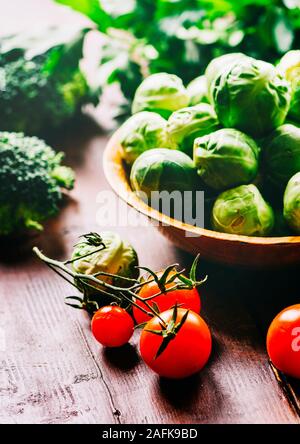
(53, 371)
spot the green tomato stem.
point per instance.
(53, 262)
(167, 290)
(106, 293)
(103, 273)
(129, 294)
(61, 275)
(71, 261)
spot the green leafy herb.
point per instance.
(182, 36)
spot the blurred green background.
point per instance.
(140, 37)
(182, 36)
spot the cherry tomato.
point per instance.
(185, 354)
(188, 299)
(283, 341)
(112, 326)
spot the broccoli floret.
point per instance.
(41, 84)
(31, 178)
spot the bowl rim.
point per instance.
(116, 177)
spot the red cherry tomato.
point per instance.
(112, 326)
(283, 341)
(188, 299)
(185, 354)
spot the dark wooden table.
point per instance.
(52, 370)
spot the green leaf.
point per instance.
(193, 271)
(93, 239)
(75, 298)
(106, 14)
(175, 312)
(185, 280)
(141, 325)
(74, 306)
(173, 277)
(91, 9)
(163, 279)
(151, 273)
(163, 346)
(117, 8)
(155, 332)
(155, 307)
(181, 323)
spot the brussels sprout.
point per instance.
(141, 132)
(117, 258)
(242, 210)
(162, 93)
(197, 91)
(226, 158)
(251, 96)
(186, 124)
(163, 170)
(217, 66)
(282, 155)
(291, 203)
(289, 67)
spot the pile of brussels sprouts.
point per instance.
(231, 133)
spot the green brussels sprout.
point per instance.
(251, 96)
(197, 91)
(244, 211)
(141, 132)
(188, 123)
(117, 258)
(289, 67)
(162, 93)
(282, 155)
(291, 203)
(226, 158)
(162, 169)
(217, 66)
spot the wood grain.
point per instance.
(51, 369)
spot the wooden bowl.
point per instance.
(224, 248)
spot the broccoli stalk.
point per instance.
(31, 179)
(41, 84)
